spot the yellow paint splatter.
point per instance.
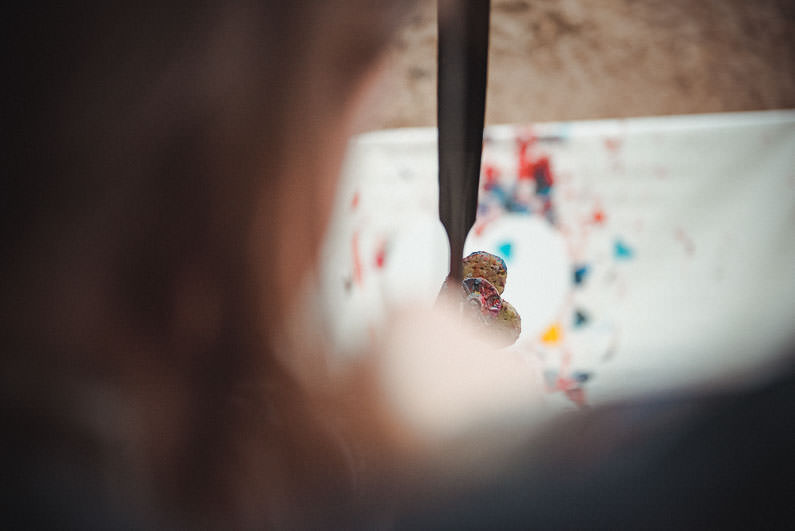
(552, 334)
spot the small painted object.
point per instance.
(483, 297)
(488, 266)
(484, 281)
(508, 325)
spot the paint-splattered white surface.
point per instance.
(680, 228)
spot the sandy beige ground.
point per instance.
(581, 59)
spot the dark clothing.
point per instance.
(668, 463)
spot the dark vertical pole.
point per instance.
(461, 92)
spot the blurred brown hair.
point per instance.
(138, 143)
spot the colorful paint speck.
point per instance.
(580, 273)
(380, 255)
(505, 250)
(599, 216)
(622, 251)
(553, 334)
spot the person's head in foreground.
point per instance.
(169, 176)
(170, 171)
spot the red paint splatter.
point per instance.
(576, 395)
(482, 222)
(564, 382)
(525, 163)
(491, 173)
(572, 389)
(613, 144)
(599, 216)
(569, 386)
(380, 255)
(357, 260)
(355, 201)
(537, 169)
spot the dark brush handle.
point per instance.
(461, 105)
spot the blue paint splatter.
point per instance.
(580, 318)
(580, 272)
(622, 251)
(505, 250)
(517, 207)
(581, 376)
(499, 193)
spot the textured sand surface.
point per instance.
(583, 59)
